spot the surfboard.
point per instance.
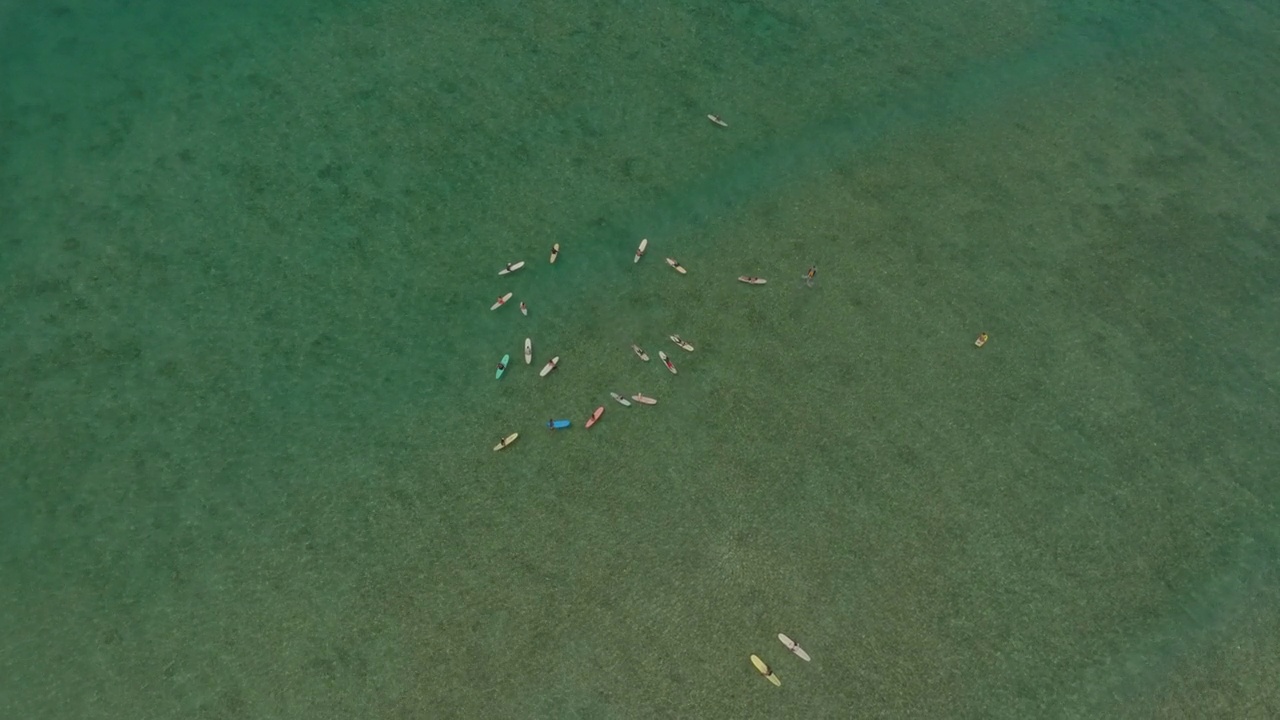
(751, 280)
(982, 340)
(716, 119)
(524, 309)
(528, 351)
(621, 400)
(678, 267)
(558, 424)
(555, 252)
(501, 301)
(765, 671)
(551, 365)
(676, 339)
(667, 361)
(502, 366)
(506, 441)
(640, 353)
(511, 267)
(595, 417)
(793, 647)
(644, 399)
(644, 243)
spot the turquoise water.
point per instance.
(245, 447)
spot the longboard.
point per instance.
(644, 399)
(640, 353)
(528, 351)
(678, 267)
(676, 339)
(501, 301)
(716, 119)
(765, 671)
(751, 280)
(621, 400)
(558, 424)
(644, 243)
(511, 267)
(551, 365)
(595, 417)
(502, 367)
(506, 441)
(793, 647)
(667, 361)
(555, 252)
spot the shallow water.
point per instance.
(246, 429)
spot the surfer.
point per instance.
(810, 275)
(501, 366)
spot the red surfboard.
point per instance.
(595, 416)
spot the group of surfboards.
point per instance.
(554, 362)
(766, 671)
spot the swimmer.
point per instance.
(810, 275)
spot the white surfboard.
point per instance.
(793, 647)
(677, 340)
(506, 441)
(644, 399)
(752, 280)
(621, 400)
(501, 301)
(511, 267)
(555, 252)
(551, 365)
(640, 353)
(718, 121)
(528, 351)
(644, 243)
(678, 267)
(667, 361)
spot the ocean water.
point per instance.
(248, 401)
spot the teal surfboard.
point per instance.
(557, 424)
(502, 367)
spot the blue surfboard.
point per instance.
(557, 424)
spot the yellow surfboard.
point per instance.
(765, 671)
(506, 441)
